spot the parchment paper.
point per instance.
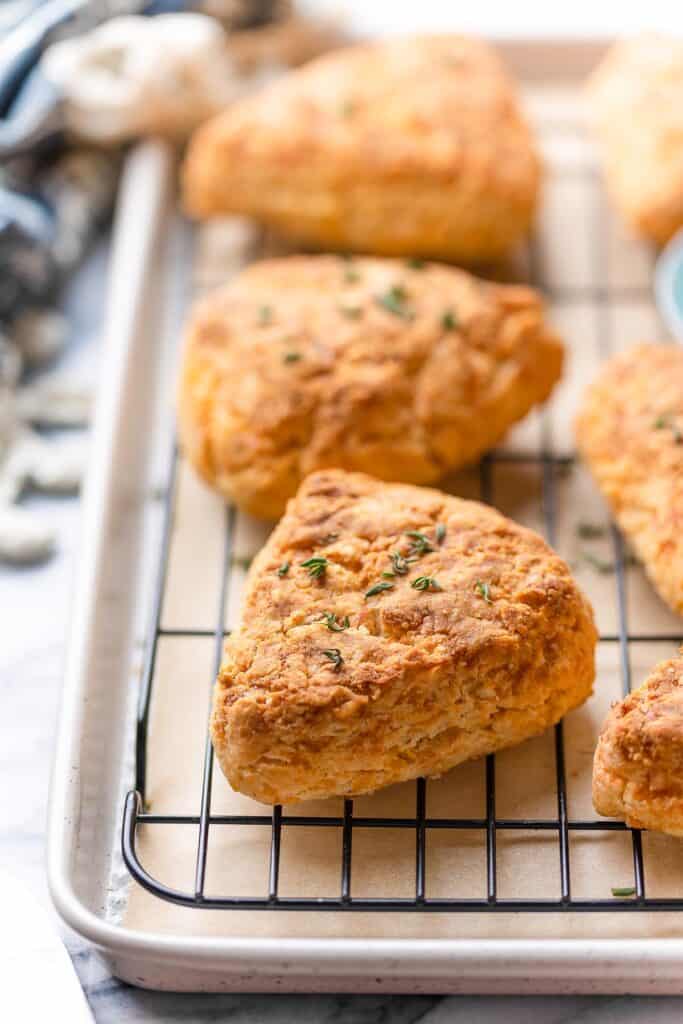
(579, 251)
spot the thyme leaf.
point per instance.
(484, 590)
(425, 583)
(415, 263)
(378, 589)
(265, 316)
(421, 544)
(440, 533)
(284, 569)
(334, 626)
(317, 566)
(334, 655)
(667, 423)
(627, 890)
(599, 564)
(590, 531)
(449, 320)
(400, 563)
(291, 357)
(242, 561)
(395, 301)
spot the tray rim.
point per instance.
(594, 965)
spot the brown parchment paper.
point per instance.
(580, 255)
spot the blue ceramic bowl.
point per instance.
(669, 285)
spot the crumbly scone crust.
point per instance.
(630, 432)
(636, 103)
(373, 365)
(428, 678)
(638, 766)
(405, 147)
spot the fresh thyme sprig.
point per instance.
(400, 563)
(317, 566)
(421, 544)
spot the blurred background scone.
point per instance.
(630, 431)
(402, 369)
(636, 103)
(638, 766)
(389, 632)
(414, 146)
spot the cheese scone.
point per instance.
(402, 370)
(390, 632)
(638, 766)
(411, 146)
(636, 103)
(630, 432)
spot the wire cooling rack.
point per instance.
(551, 467)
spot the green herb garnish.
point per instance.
(394, 301)
(378, 589)
(449, 320)
(599, 564)
(265, 316)
(388, 575)
(415, 263)
(333, 625)
(627, 890)
(440, 533)
(666, 423)
(421, 544)
(335, 656)
(242, 561)
(484, 590)
(284, 569)
(590, 531)
(291, 357)
(425, 583)
(317, 566)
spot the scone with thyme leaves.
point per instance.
(404, 370)
(630, 432)
(638, 766)
(390, 632)
(636, 104)
(413, 146)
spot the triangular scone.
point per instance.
(389, 632)
(638, 766)
(374, 365)
(630, 432)
(403, 147)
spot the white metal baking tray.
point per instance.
(121, 524)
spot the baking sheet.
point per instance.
(579, 253)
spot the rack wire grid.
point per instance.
(348, 824)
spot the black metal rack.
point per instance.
(420, 824)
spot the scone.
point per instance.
(390, 632)
(636, 102)
(638, 766)
(402, 370)
(630, 432)
(413, 146)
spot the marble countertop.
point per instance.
(35, 608)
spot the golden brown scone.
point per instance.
(630, 432)
(374, 365)
(638, 766)
(636, 102)
(389, 632)
(405, 147)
